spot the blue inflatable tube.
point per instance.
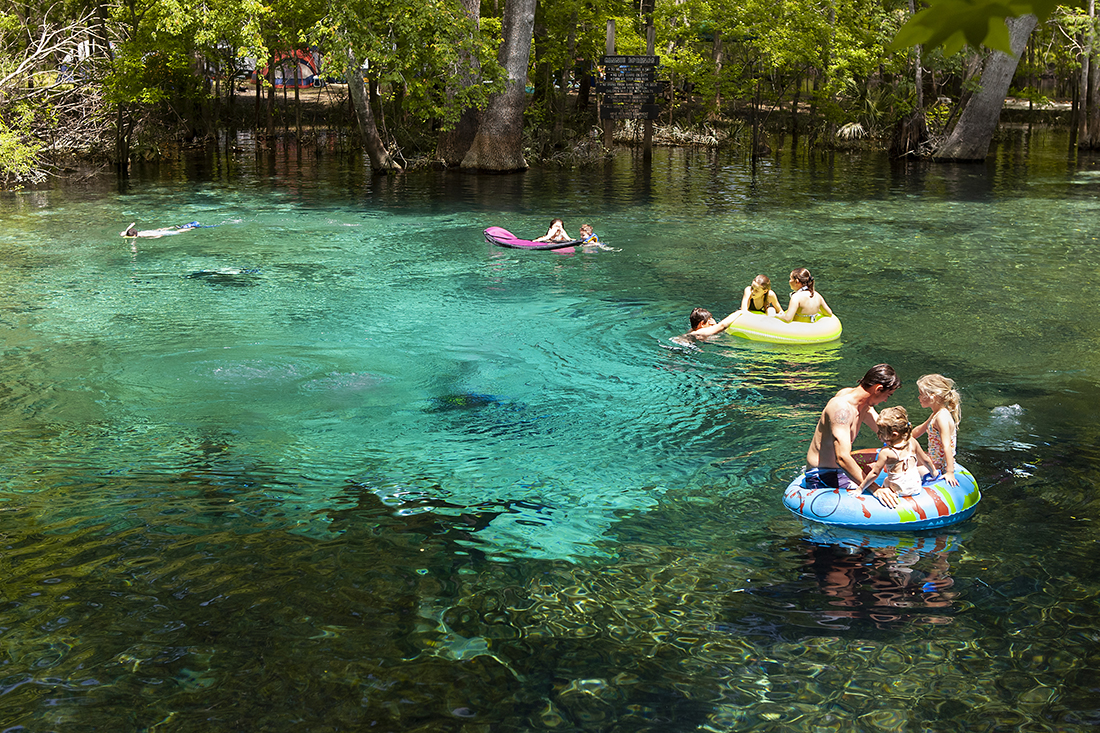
(938, 505)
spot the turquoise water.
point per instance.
(337, 463)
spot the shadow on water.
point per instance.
(227, 277)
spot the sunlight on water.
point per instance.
(332, 460)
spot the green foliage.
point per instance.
(152, 57)
(492, 30)
(956, 23)
(834, 54)
(9, 26)
(230, 31)
(771, 47)
(418, 45)
(1030, 94)
(629, 35)
(20, 152)
(936, 118)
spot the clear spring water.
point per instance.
(337, 464)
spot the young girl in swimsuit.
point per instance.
(901, 457)
(760, 297)
(938, 393)
(806, 304)
(556, 233)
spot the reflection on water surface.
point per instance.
(338, 463)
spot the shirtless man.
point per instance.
(829, 461)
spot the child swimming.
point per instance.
(900, 457)
(938, 393)
(806, 304)
(590, 240)
(760, 297)
(703, 324)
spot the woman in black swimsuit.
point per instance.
(759, 297)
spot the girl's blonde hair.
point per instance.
(894, 421)
(942, 388)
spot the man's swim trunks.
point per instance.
(829, 478)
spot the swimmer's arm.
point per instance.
(949, 434)
(922, 428)
(746, 297)
(870, 419)
(557, 233)
(825, 307)
(924, 459)
(773, 301)
(874, 470)
(887, 496)
(717, 328)
(840, 420)
(792, 309)
(884, 494)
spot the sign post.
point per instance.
(629, 87)
(609, 126)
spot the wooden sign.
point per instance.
(630, 112)
(631, 60)
(628, 86)
(631, 87)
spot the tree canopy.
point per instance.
(953, 24)
(121, 79)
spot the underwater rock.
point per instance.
(233, 277)
(461, 401)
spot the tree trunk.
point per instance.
(564, 81)
(453, 144)
(1081, 117)
(970, 139)
(586, 85)
(1091, 140)
(297, 98)
(122, 142)
(717, 73)
(256, 115)
(380, 158)
(794, 115)
(912, 132)
(271, 101)
(498, 145)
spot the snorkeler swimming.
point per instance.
(132, 230)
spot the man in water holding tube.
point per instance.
(829, 460)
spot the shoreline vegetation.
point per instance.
(322, 116)
(500, 89)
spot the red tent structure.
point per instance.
(287, 64)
